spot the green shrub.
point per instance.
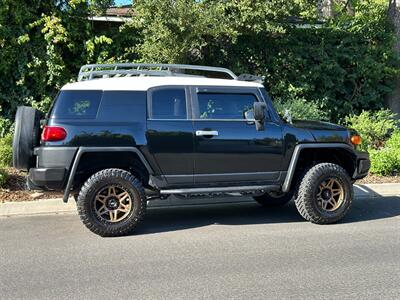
(374, 127)
(394, 141)
(301, 109)
(6, 151)
(3, 177)
(5, 126)
(386, 161)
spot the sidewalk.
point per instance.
(55, 206)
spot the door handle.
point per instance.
(206, 133)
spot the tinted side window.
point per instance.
(168, 104)
(77, 104)
(224, 106)
(123, 106)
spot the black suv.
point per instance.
(125, 134)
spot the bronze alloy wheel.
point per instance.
(330, 195)
(113, 204)
(325, 194)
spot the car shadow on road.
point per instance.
(248, 213)
(368, 209)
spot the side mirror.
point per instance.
(259, 115)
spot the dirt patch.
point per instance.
(16, 196)
(379, 179)
(15, 189)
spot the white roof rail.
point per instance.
(93, 71)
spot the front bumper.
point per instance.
(362, 166)
(46, 178)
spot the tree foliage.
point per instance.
(342, 66)
(345, 66)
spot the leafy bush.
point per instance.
(6, 151)
(386, 161)
(3, 178)
(394, 141)
(5, 126)
(301, 109)
(374, 127)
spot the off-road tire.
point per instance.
(270, 200)
(26, 136)
(100, 180)
(306, 199)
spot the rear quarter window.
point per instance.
(77, 105)
(123, 106)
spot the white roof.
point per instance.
(144, 83)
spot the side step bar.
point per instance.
(220, 189)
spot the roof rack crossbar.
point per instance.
(92, 71)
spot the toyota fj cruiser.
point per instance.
(125, 134)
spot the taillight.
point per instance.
(53, 133)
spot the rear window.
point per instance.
(77, 105)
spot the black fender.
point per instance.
(82, 150)
(297, 151)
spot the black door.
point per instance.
(170, 133)
(228, 148)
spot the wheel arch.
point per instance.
(306, 155)
(128, 158)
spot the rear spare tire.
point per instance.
(26, 137)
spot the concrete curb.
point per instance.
(54, 206)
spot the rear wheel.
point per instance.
(112, 202)
(274, 199)
(26, 136)
(325, 194)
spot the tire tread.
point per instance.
(304, 201)
(88, 187)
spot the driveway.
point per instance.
(236, 251)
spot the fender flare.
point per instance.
(297, 152)
(83, 150)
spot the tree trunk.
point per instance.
(325, 9)
(393, 100)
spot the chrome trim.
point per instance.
(206, 133)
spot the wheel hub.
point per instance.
(113, 203)
(330, 195)
(326, 194)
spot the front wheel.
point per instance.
(325, 194)
(112, 202)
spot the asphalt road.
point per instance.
(235, 251)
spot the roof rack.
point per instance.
(93, 71)
(249, 77)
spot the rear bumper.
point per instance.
(363, 165)
(52, 167)
(46, 178)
